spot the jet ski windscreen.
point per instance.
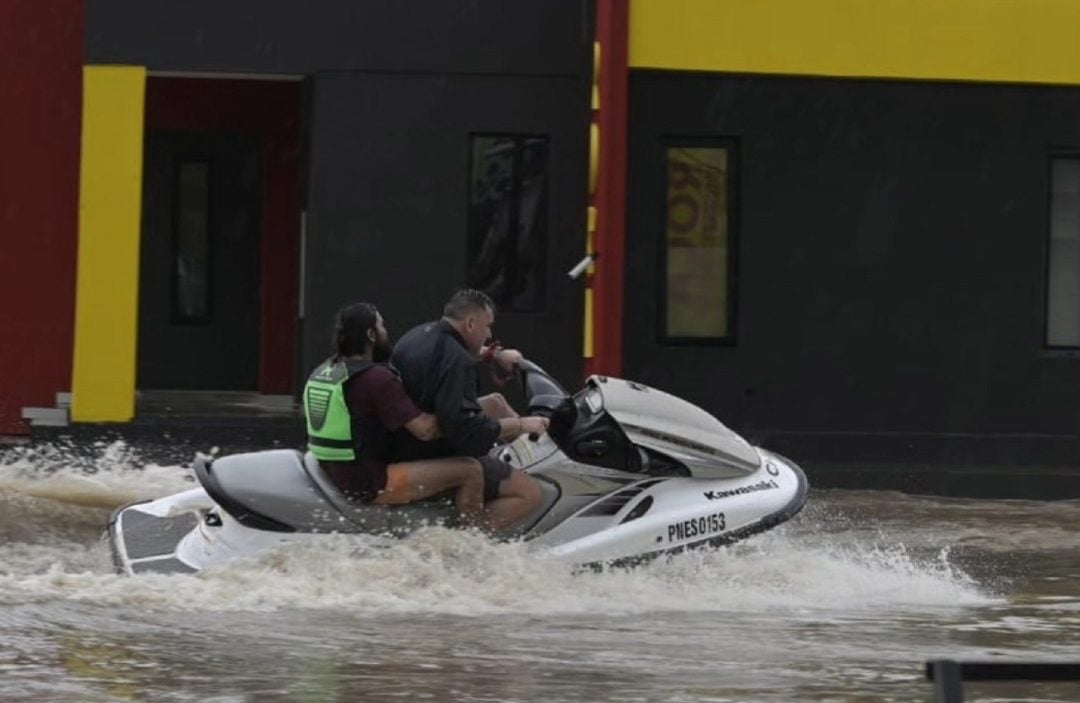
(537, 382)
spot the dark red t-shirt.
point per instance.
(378, 405)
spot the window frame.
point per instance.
(733, 147)
(1073, 154)
(176, 317)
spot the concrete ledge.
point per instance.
(176, 440)
(923, 448)
(987, 467)
(46, 417)
(1008, 466)
(1015, 482)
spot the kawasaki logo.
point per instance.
(742, 490)
(318, 402)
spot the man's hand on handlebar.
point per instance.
(513, 427)
(533, 425)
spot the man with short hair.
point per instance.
(437, 362)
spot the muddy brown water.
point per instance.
(844, 603)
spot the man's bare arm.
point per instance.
(425, 427)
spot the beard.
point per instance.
(380, 353)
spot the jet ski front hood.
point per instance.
(660, 421)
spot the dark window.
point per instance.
(1063, 254)
(697, 303)
(507, 242)
(191, 243)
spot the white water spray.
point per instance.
(54, 513)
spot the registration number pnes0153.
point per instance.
(698, 527)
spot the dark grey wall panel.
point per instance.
(284, 36)
(388, 199)
(892, 254)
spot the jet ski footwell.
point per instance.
(142, 542)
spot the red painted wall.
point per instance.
(612, 31)
(271, 109)
(41, 57)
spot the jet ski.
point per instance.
(627, 473)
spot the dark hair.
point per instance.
(351, 326)
(465, 301)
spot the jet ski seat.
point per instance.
(283, 490)
(381, 519)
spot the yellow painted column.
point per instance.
(590, 249)
(110, 205)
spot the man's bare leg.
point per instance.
(519, 495)
(495, 406)
(411, 481)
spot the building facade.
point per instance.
(243, 171)
(850, 230)
(853, 227)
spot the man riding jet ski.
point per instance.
(438, 362)
(352, 402)
(626, 472)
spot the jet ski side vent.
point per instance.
(616, 501)
(613, 503)
(640, 509)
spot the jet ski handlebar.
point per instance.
(545, 397)
(586, 434)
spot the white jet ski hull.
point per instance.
(189, 532)
(626, 473)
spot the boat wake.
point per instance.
(52, 516)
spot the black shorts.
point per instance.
(495, 472)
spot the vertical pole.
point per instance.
(612, 34)
(948, 686)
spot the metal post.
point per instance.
(948, 686)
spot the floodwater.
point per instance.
(844, 603)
